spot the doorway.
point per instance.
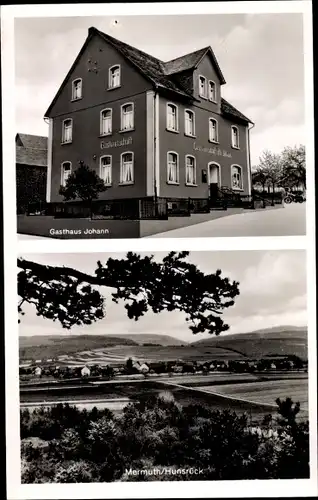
(214, 179)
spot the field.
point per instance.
(240, 393)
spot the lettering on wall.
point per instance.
(116, 144)
(213, 150)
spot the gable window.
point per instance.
(235, 137)
(106, 122)
(236, 177)
(172, 118)
(189, 122)
(127, 117)
(127, 168)
(212, 91)
(106, 169)
(213, 130)
(67, 131)
(66, 170)
(202, 87)
(172, 168)
(77, 89)
(190, 170)
(114, 77)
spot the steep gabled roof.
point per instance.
(191, 61)
(31, 141)
(228, 109)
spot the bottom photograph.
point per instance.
(170, 366)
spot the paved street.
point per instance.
(287, 221)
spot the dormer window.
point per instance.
(212, 91)
(77, 89)
(203, 87)
(114, 77)
(235, 137)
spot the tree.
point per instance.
(294, 165)
(259, 177)
(83, 183)
(270, 168)
(73, 298)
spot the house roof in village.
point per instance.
(230, 110)
(31, 141)
(157, 71)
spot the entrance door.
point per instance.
(214, 179)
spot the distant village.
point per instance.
(133, 368)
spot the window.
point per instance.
(77, 89)
(213, 130)
(172, 118)
(106, 122)
(127, 117)
(106, 169)
(235, 137)
(212, 91)
(190, 170)
(236, 175)
(114, 77)
(173, 168)
(67, 131)
(127, 168)
(66, 170)
(189, 122)
(202, 87)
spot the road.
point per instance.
(286, 221)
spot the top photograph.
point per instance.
(160, 126)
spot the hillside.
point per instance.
(282, 340)
(52, 346)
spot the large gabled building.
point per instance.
(148, 127)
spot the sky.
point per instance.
(272, 293)
(261, 57)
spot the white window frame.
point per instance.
(185, 121)
(63, 180)
(235, 188)
(203, 96)
(195, 170)
(110, 87)
(127, 183)
(63, 131)
(216, 141)
(101, 169)
(232, 137)
(176, 130)
(121, 116)
(73, 89)
(209, 92)
(177, 182)
(102, 134)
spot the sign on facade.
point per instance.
(213, 150)
(116, 144)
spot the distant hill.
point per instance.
(282, 340)
(52, 346)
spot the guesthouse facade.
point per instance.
(149, 128)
